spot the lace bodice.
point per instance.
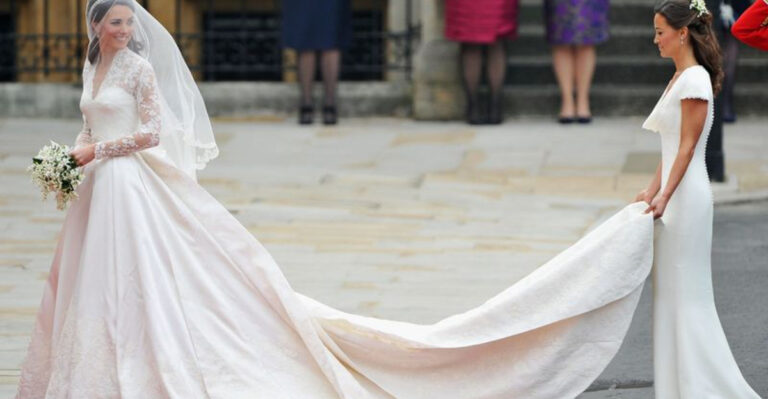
(123, 115)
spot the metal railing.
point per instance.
(232, 45)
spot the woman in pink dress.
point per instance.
(479, 25)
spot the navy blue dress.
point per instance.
(316, 24)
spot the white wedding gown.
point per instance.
(156, 291)
(692, 359)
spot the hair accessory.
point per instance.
(699, 6)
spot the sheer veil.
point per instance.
(186, 136)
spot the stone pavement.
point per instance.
(385, 217)
(635, 393)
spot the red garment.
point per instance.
(480, 21)
(752, 26)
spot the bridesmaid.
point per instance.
(752, 26)
(482, 25)
(574, 27)
(314, 27)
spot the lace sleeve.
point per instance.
(84, 137)
(148, 135)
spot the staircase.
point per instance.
(630, 75)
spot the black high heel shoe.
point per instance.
(473, 116)
(330, 116)
(306, 114)
(494, 113)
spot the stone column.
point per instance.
(62, 17)
(29, 20)
(397, 21)
(437, 90)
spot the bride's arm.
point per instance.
(84, 137)
(147, 99)
(693, 116)
(84, 145)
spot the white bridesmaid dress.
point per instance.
(692, 359)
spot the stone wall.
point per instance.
(228, 100)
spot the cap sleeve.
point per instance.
(696, 85)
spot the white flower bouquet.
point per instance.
(55, 171)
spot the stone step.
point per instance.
(618, 100)
(256, 100)
(381, 99)
(527, 70)
(624, 40)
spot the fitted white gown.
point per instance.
(692, 359)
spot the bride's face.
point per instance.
(667, 38)
(116, 29)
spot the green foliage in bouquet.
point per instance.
(55, 171)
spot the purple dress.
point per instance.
(576, 21)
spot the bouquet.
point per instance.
(55, 171)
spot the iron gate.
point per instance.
(231, 45)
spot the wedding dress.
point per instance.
(692, 359)
(156, 291)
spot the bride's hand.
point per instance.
(644, 196)
(84, 155)
(658, 205)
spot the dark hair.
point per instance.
(97, 13)
(706, 49)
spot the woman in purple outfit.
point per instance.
(574, 27)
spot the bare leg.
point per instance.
(495, 69)
(330, 63)
(586, 58)
(730, 56)
(471, 67)
(563, 59)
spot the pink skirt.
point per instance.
(480, 21)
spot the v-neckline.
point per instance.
(94, 92)
(674, 82)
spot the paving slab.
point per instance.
(390, 218)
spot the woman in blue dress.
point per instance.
(317, 28)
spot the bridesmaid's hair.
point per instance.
(706, 49)
(97, 10)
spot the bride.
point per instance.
(156, 291)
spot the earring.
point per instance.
(682, 40)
